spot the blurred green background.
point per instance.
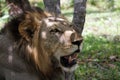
(100, 57)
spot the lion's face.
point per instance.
(51, 38)
(59, 39)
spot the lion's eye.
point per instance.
(55, 31)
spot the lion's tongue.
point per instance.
(72, 57)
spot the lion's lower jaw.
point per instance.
(69, 69)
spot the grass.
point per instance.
(99, 60)
(100, 57)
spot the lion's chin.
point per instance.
(69, 69)
(69, 62)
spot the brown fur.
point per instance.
(31, 26)
(31, 22)
(40, 54)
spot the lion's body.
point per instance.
(30, 50)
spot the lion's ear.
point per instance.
(32, 17)
(28, 26)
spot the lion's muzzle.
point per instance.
(72, 43)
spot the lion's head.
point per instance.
(51, 41)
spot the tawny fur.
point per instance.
(40, 55)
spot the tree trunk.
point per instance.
(79, 14)
(52, 6)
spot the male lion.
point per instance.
(38, 46)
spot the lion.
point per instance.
(38, 46)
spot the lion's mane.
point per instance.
(20, 30)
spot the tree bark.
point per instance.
(52, 6)
(79, 14)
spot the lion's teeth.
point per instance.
(70, 59)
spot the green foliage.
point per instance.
(99, 59)
(2, 5)
(37, 3)
(65, 4)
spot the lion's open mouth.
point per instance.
(69, 60)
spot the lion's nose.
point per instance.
(71, 37)
(76, 39)
(78, 42)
